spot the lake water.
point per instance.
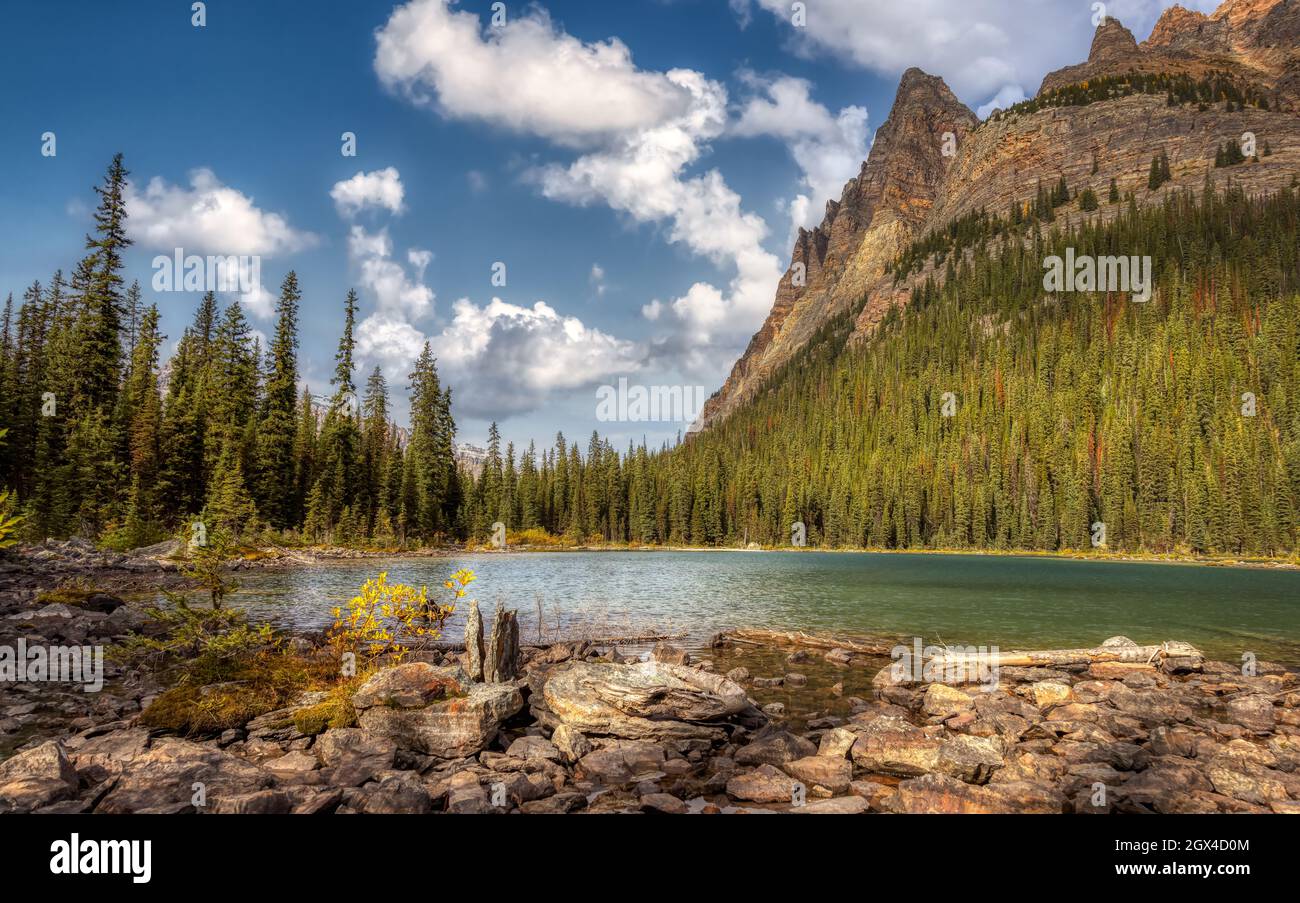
(1010, 602)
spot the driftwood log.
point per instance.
(1116, 649)
(757, 636)
(634, 639)
(975, 667)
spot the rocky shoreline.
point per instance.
(45, 565)
(577, 727)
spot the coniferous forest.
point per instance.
(987, 413)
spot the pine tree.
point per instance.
(372, 492)
(345, 391)
(229, 507)
(430, 461)
(186, 456)
(99, 324)
(278, 501)
(145, 518)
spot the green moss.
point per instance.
(215, 697)
(190, 711)
(74, 592)
(336, 711)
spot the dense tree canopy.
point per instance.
(987, 413)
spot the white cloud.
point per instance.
(208, 218)
(1007, 97)
(781, 106)
(397, 289)
(526, 75)
(259, 302)
(642, 176)
(829, 149)
(640, 131)
(596, 279)
(980, 47)
(743, 12)
(387, 336)
(505, 359)
(478, 182)
(391, 342)
(381, 189)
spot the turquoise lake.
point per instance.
(1011, 602)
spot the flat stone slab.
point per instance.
(647, 700)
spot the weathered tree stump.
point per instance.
(501, 662)
(474, 643)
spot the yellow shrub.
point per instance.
(384, 617)
(8, 524)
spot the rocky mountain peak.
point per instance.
(895, 190)
(932, 161)
(1179, 25)
(1114, 51)
(1239, 12)
(919, 88)
(1113, 43)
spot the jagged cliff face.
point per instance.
(891, 198)
(1255, 40)
(909, 186)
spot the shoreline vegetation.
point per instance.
(559, 544)
(1292, 561)
(171, 557)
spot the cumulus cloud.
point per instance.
(502, 358)
(259, 301)
(638, 131)
(1009, 96)
(396, 288)
(829, 149)
(391, 342)
(505, 359)
(643, 176)
(210, 218)
(388, 335)
(381, 189)
(980, 47)
(527, 75)
(596, 279)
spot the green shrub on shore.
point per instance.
(334, 711)
(8, 522)
(70, 592)
(219, 692)
(227, 671)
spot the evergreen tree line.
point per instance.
(1214, 87)
(1174, 423)
(984, 414)
(102, 443)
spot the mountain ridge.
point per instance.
(909, 185)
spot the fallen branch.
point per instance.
(756, 636)
(624, 640)
(1106, 652)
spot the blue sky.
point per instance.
(637, 166)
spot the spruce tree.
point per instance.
(278, 501)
